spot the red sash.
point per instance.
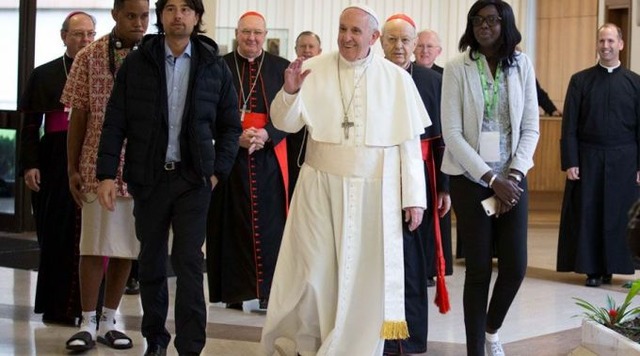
(442, 295)
(56, 121)
(259, 121)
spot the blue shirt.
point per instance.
(177, 72)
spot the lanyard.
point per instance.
(490, 98)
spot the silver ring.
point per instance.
(513, 202)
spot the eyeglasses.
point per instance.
(256, 33)
(427, 47)
(83, 34)
(491, 20)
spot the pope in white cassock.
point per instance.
(338, 287)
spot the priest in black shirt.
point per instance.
(599, 147)
(44, 166)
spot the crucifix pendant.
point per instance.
(346, 125)
(242, 112)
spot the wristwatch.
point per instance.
(515, 176)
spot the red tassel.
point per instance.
(442, 295)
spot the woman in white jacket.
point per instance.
(490, 127)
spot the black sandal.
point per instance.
(83, 336)
(112, 336)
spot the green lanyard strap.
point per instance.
(490, 99)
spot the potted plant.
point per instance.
(612, 315)
(613, 329)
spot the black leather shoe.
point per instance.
(263, 303)
(133, 287)
(593, 280)
(155, 351)
(606, 279)
(236, 306)
(430, 282)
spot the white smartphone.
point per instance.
(490, 205)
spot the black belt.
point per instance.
(171, 166)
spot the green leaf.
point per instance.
(633, 291)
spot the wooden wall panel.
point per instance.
(547, 9)
(556, 57)
(566, 42)
(577, 8)
(546, 174)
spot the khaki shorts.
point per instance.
(109, 233)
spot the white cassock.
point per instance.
(339, 276)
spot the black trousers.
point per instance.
(479, 233)
(181, 205)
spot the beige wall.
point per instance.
(209, 18)
(633, 44)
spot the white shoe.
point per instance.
(493, 348)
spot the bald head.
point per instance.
(78, 30)
(428, 48)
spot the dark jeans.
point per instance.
(479, 233)
(174, 202)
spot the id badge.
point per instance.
(490, 146)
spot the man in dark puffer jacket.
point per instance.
(175, 104)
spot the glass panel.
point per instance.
(7, 171)
(51, 14)
(10, 19)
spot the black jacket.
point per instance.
(543, 100)
(137, 111)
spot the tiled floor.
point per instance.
(541, 321)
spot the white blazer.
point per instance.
(463, 109)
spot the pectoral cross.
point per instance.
(242, 112)
(346, 125)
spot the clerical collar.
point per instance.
(249, 59)
(357, 62)
(610, 69)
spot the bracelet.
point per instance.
(493, 178)
(516, 176)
